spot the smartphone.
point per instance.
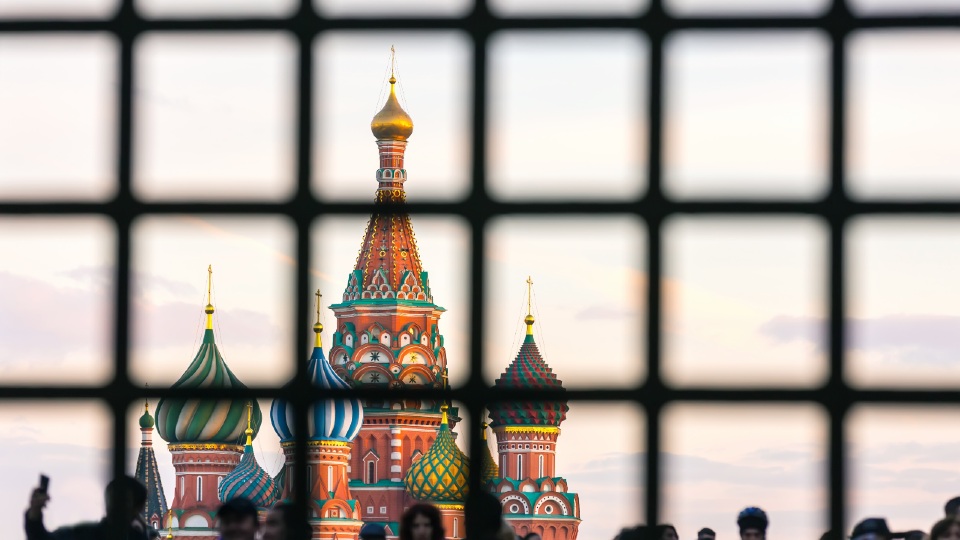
(44, 483)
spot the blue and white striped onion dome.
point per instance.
(327, 420)
(250, 481)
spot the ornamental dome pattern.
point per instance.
(250, 481)
(327, 420)
(528, 371)
(440, 476)
(206, 420)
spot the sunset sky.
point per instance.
(744, 299)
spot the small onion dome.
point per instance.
(146, 421)
(392, 123)
(327, 420)
(205, 420)
(250, 481)
(489, 471)
(529, 371)
(440, 476)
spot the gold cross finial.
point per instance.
(319, 296)
(393, 64)
(529, 293)
(146, 404)
(209, 309)
(249, 430)
(318, 328)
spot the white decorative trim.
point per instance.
(518, 498)
(558, 500)
(394, 468)
(395, 455)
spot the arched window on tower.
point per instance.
(541, 466)
(371, 472)
(182, 487)
(330, 478)
(519, 467)
(503, 465)
(199, 488)
(456, 528)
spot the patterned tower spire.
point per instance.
(148, 473)
(388, 333)
(534, 499)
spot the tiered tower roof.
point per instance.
(205, 420)
(529, 370)
(147, 471)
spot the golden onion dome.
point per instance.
(392, 123)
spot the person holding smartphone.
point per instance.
(125, 498)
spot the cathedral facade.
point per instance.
(370, 460)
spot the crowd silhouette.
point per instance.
(239, 519)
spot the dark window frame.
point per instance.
(835, 209)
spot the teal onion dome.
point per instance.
(146, 421)
(440, 476)
(206, 420)
(250, 481)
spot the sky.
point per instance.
(743, 298)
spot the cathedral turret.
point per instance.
(388, 334)
(204, 435)
(534, 499)
(148, 473)
(332, 425)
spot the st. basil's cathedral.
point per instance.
(367, 461)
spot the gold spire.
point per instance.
(392, 123)
(483, 430)
(249, 430)
(529, 318)
(318, 328)
(146, 404)
(443, 410)
(170, 523)
(209, 309)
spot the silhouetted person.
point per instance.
(871, 529)
(125, 498)
(753, 524)
(640, 532)
(946, 529)
(237, 520)
(372, 531)
(665, 532)
(829, 535)
(915, 535)
(421, 522)
(706, 534)
(952, 508)
(283, 522)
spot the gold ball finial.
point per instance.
(528, 319)
(317, 328)
(208, 309)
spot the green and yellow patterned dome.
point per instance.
(440, 476)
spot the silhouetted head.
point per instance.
(483, 514)
(125, 498)
(238, 519)
(421, 522)
(706, 533)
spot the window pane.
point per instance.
(567, 116)
(903, 324)
(208, 8)
(588, 284)
(903, 114)
(57, 9)
(57, 102)
(746, 114)
(400, 8)
(443, 246)
(720, 459)
(746, 7)
(870, 7)
(351, 86)
(567, 7)
(56, 282)
(253, 265)
(215, 116)
(902, 464)
(66, 440)
(744, 302)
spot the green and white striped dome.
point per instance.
(206, 420)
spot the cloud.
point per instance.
(606, 312)
(919, 338)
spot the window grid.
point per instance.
(836, 209)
